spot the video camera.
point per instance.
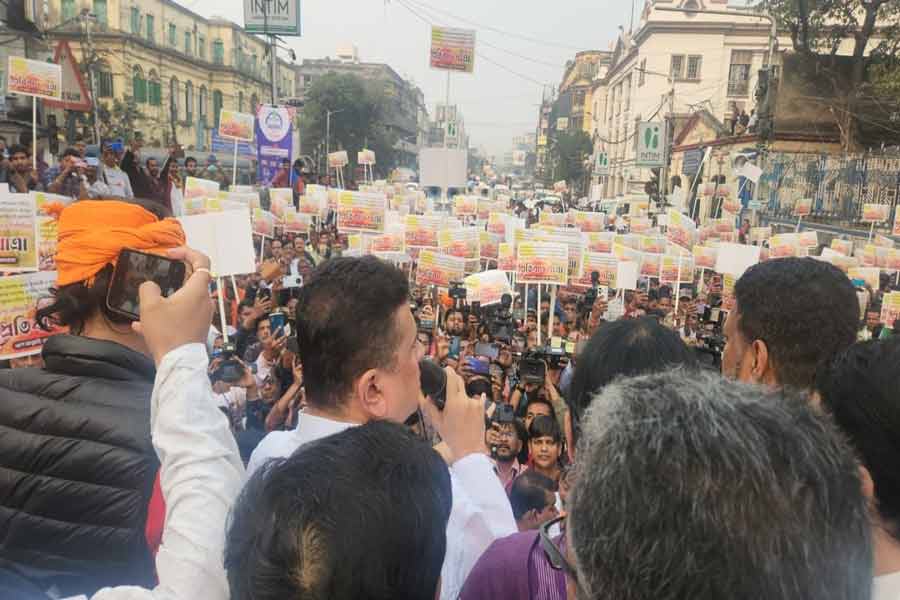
(457, 293)
(230, 370)
(534, 363)
(500, 319)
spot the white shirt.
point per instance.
(480, 514)
(887, 587)
(201, 475)
(112, 182)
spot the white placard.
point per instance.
(226, 238)
(734, 259)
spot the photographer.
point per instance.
(357, 342)
(69, 179)
(505, 438)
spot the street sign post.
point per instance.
(651, 145)
(601, 163)
(74, 92)
(272, 17)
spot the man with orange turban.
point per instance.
(80, 466)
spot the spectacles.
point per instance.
(555, 556)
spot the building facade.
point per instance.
(180, 68)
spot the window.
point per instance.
(253, 63)
(174, 109)
(217, 107)
(254, 100)
(104, 81)
(100, 11)
(68, 10)
(739, 72)
(218, 52)
(642, 72)
(172, 35)
(203, 100)
(154, 89)
(135, 20)
(693, 67)
(139, 85)
(201, 46)
(151, 35)
(240, 102)
(187, 42)
(676, 67)
(189, 101)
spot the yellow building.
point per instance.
(180, 67)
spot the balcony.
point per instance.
(738, 88)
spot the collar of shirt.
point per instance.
(887, 587)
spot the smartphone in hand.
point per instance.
(134, 268)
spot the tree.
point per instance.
(358, 110)
(120, 121)
(820, 28)
(568, 153)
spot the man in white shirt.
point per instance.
(112, 182)
(859, 389)
(358, 345)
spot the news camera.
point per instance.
(230, 370)
(500, 319)
(534, 363)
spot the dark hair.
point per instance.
(190, 159)
(544, 426)
(71, 152)
(805, 310)
(623, 348)
(75, 303)
(149, 158)
(692, 486)
(345, 324)
(477, 386)
(18, 149)
(359, 514)
(450, 311)
(530, 491)
(859, 389)
(537, 399)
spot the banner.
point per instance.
(439, 269)
(274, 125)
(588, 221)
(452, 49)
(236, 126)
(18, 233)
(542, 263)
(463, 242)
(48, 240)
(34, 78)
(359, 211)
(875, 213)
(422, 231)
(604, 264)
(20, 298)
(487, 287)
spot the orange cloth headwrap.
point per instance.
(93, 232)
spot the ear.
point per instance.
(760, 364)
(369, 395)
(868, 486)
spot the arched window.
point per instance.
(203, 100)
(104, 80)
(217, 107)
(139, 85)
(240, 102)
(254, 101)
(154, 89)
(189, 101)
(174, 109)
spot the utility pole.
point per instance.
(89, 59)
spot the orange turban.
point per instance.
(93, 232)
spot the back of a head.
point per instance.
(357, 515)
(530, 491)
(859, 389)
(693, 487)
(623, 348)
(345, 323)
(804, 309)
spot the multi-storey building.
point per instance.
(180, 68)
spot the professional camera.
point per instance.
(230, 370)
(457, 291)
(500, 319)
(534, 363)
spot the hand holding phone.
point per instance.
(133, 268)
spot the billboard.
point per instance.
(651, 145)
(452, 49)
(280, 17)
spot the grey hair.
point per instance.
(691, 487)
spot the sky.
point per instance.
(500, 99)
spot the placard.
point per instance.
(803, 207)
(587, 221)
(640, 224)
(892, 260)
(600, 243)
(890, 308)
(20, 298)
(842, 262)
(554, 219)
(48, 241)
(490, 244)
(705, 257)
(506, 258)
(650, 264)
(734, 259)
(194, 187)
(359, 211)
(487, 287)
(668, 269)
(543, 263)
(226, 238)
(497, 223)
(681, 229)
(895, 231)
(18, 233)
(626, 275)
(235, 125)
(45, 202)
(871, 275)
(606, 266)
(422, 231)
(34, 78)
(653, 244)
(279, 200)
(263, 222)
(808, 239)
(875, 213)
(338, 160)
(784, 245)
(760, 234)
(572, 238)
(463, 242)
(296, 222)
(845, 247)
(439, 269)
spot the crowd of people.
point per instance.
(277, 444)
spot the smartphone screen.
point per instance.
(277, 320)
(454, 347)
(487, 350)
(134, 268)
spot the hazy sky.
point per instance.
(496, 104)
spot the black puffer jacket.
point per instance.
(77, 467)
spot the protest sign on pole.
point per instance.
(361, 211)
(896, 229)
(599, 242)
(542, 263)
(439, 269)
(487, 287)
(890, 308)
(280, 199)
(705, 257)
(21, 296)
(465, 206)
(586, 221)
(452, 49)
(734, 259)
(422, 231)
(37, 79)
(605, 265)
(506, 258)
(463, 242)
(238, 127)
(681, 229)
(225, 237)
(18, 233)
(274, 142)
(784, 245)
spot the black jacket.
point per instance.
(77, 467)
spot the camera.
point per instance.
(230, 370)
(500, 319)
(457, 292)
